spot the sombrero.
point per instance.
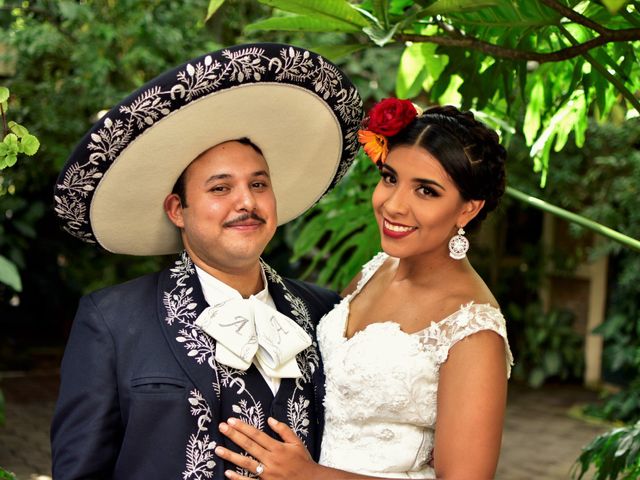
(296, 106)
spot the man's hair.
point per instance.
(179, 188)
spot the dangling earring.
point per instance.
(458, 245)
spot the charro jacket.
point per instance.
(141, 393)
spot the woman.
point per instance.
(418, 334)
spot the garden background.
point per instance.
(559, 79)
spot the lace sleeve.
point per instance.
(470, 319)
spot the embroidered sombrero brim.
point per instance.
(299, 108)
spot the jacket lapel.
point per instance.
(181, 302)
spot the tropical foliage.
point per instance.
(16, 140)
(536, 69)
(615, 454)
(539, 67)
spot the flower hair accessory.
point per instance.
(386, 119)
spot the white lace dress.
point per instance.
(382, 386)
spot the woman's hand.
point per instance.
(287, 460)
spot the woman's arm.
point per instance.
(472, 393)
(288, 460)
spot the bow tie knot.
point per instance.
(248, 328)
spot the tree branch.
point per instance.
(625, 35)
(605, 73)
(576, 17)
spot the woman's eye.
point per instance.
(388, 178)
(427, 191)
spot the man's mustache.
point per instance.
(243, 218)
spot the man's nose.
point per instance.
(246, 200)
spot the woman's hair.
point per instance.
(469, 151)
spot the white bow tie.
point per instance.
(248, 328)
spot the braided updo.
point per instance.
(469, 151)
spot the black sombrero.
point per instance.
(298, 107)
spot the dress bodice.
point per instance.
(382, 384)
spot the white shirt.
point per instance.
(215, 291)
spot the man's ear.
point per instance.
(173, 209)
(469, 211)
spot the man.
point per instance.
(224, 148)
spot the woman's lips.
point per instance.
(396, 230)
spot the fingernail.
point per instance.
(272, 421)
(223, 427)
(228, 473)
(232, 421)
(219, 451)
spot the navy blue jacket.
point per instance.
(141, 394)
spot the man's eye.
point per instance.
(219, 189)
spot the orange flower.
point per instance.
(375, 145)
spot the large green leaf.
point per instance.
(214, 5)
(614, 5)
(506, 14)
(301, 23)
(420, 67)
(381, 11)
(337, 10)
(9, 274)
(336, 52)
(444, 7)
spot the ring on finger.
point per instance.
(260, 469)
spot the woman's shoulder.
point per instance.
(367, 271)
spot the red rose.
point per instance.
(391, 115)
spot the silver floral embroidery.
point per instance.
(298, 414)
(251, 414)
(200, 449)
(181, 307)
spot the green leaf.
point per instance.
(301, 23)
(18, 129)
(30, 144)
(337, 10)
(9, 274)
(4, 94)
(420, 67)
(381, 11)
(444, 7)
(536, 377)
(214, 5)
(11, 141)
(614, 5)
(552, 362)
(336, 52)
(534, 111)
(380, 36)
(10, 160)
